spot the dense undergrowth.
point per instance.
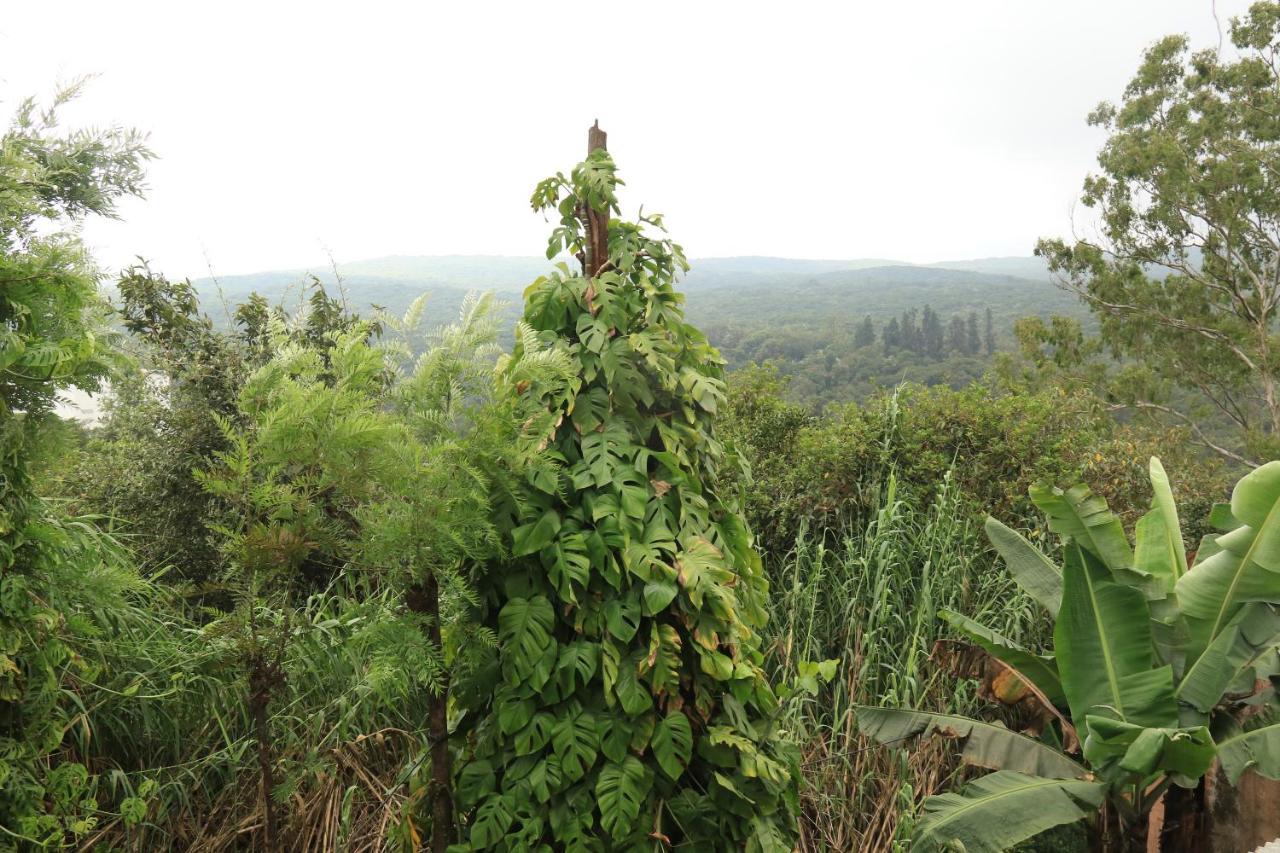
(868, 597)
(170, 741)
(168, 726)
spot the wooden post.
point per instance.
(596, 138)
(595, 221)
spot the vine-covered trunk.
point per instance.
(424, 599)
(628, 707)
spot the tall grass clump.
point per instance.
(169, 738)
(868, 596)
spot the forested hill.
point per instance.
(881, 292)
(821, 321)
(398, 275)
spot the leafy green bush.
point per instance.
(52, 336)
(823, 472)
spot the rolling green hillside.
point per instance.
(800, 314)
(879, 291)
(720, 290)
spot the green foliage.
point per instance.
(347, 456)
(351, 456)
(823, 472)
(829, 359)
(628, 704)
(163, 412)
(1183, 279)
(868, 596)
(168, 728)
(52, 336)
(1032, 804)
(1157, 665)
(552, 556)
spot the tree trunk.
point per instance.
(424, 598)
(261, 684)
(1243, 816)
(1273, 404)
(1184, 825)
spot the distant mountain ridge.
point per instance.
(513, 273)
(721, 292)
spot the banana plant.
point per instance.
(1157, 669)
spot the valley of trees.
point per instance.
(808, 318)
(767, 556)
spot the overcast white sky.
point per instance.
(917, 131)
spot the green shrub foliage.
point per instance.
(53, 336)
(627, 706)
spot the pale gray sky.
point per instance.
(917, 131)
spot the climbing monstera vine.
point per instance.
(627, 707)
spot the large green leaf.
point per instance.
(1103, 643)
(1083, 517)
(1153, 562)
(575, 741)
(492, 820)
(1142, 751)
(672, 743)
(1001, 809)
(524, 627)
(536, 535)
(988, 745)
(1039, 670)
(1230, 659)
(1257, 747)
(1162, 552)
(1034, 572)
(1245, 566)
(620, 790)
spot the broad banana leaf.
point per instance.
(1257, 747)
(1246, 565)
(1220, 518)
(1034, 572)
(1102, 639)
(1083, 517)
(1039, 670)
(1001, 809)
(1160, 558)
(1144, 751)
(1169, 633)
(1208, 547)
(988, 745)
(1229, 661)
(1169, 560)
(1153, 561)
